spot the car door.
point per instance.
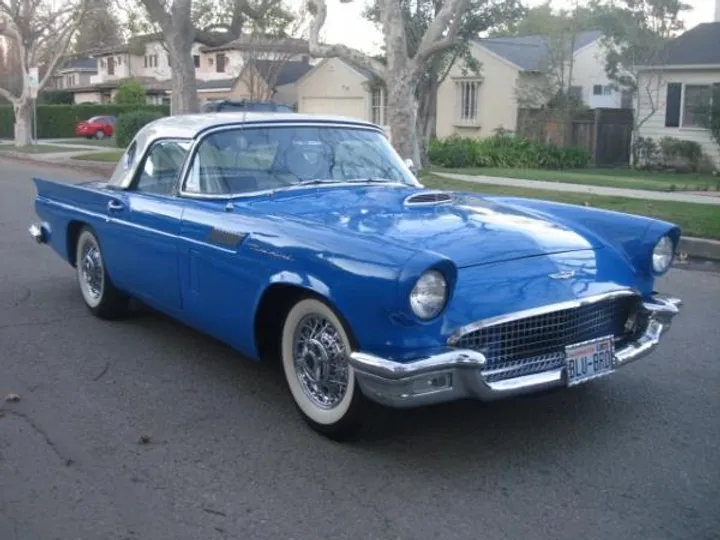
(143, 227)
(221, 277)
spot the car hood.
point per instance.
(470, 230)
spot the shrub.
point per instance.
(504, 151)
(58, 121)
(128, 124)
(131, 93)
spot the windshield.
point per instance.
(251, 159)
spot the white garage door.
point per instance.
(351, 107)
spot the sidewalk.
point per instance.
(674, 196)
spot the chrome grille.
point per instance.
(537, 343)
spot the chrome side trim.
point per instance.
(460, 373)
(542, 310)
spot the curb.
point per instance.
(95, 167)
(700, 248)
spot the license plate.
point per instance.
(589, 360)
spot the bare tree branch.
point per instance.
(448, 18)
(338, 51)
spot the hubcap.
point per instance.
(92, 270)
(320, 359)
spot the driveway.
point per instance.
(144, 429)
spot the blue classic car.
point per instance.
(308, 239)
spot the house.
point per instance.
(339, 87)
(260, 80)
(515, 72)
(74, 74)
(678, 84)
(218, 66)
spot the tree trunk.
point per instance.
(183, 99)
(402, 115)
(23, 123)
(427, 116)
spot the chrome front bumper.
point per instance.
(39, 232)
(458, 373)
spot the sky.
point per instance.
(345, 23)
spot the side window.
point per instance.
(162, 166)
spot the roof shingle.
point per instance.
(698, 46)
(530, 52)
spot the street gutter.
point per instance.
(694, 248)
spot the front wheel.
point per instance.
(315, 348)
(98, 292)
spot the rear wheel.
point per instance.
(314, 349)
(100, 295)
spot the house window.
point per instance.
(196, 60)
(696, 104)
(468, 100)
(111, 65)
(379, 107)
(602, 90)
(151, 60)
(220, 63)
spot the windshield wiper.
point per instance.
(372, 180)
(317, 181)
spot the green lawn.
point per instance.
(111, 156)
(701, 220)
(34, 149)
(109, 142)
(621, 177)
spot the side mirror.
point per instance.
(410, 165)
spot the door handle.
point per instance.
(114, 206)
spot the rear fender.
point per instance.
(64, 207)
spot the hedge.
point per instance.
(58, 121)
(128, 124)
(503, 151)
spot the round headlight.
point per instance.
(429, 294)
(662, 255)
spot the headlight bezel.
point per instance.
(667, 248)
(438, 280)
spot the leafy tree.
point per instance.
(418, 17)
(636, 32)
(130, 93)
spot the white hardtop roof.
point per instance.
(187, 126)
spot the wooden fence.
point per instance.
(605, 133)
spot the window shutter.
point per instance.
(672, 106)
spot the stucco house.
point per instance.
(679, 83)
(74, 74)
(260, 80)
(475, 105)
(337, 86)
(218, 66)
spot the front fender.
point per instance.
(633, 237)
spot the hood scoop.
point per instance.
(428, 198)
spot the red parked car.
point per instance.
(98, 127)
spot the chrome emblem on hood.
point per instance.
(563, 275)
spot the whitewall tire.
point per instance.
(314, 349)
(101, 297)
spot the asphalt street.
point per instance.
(147, 430)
